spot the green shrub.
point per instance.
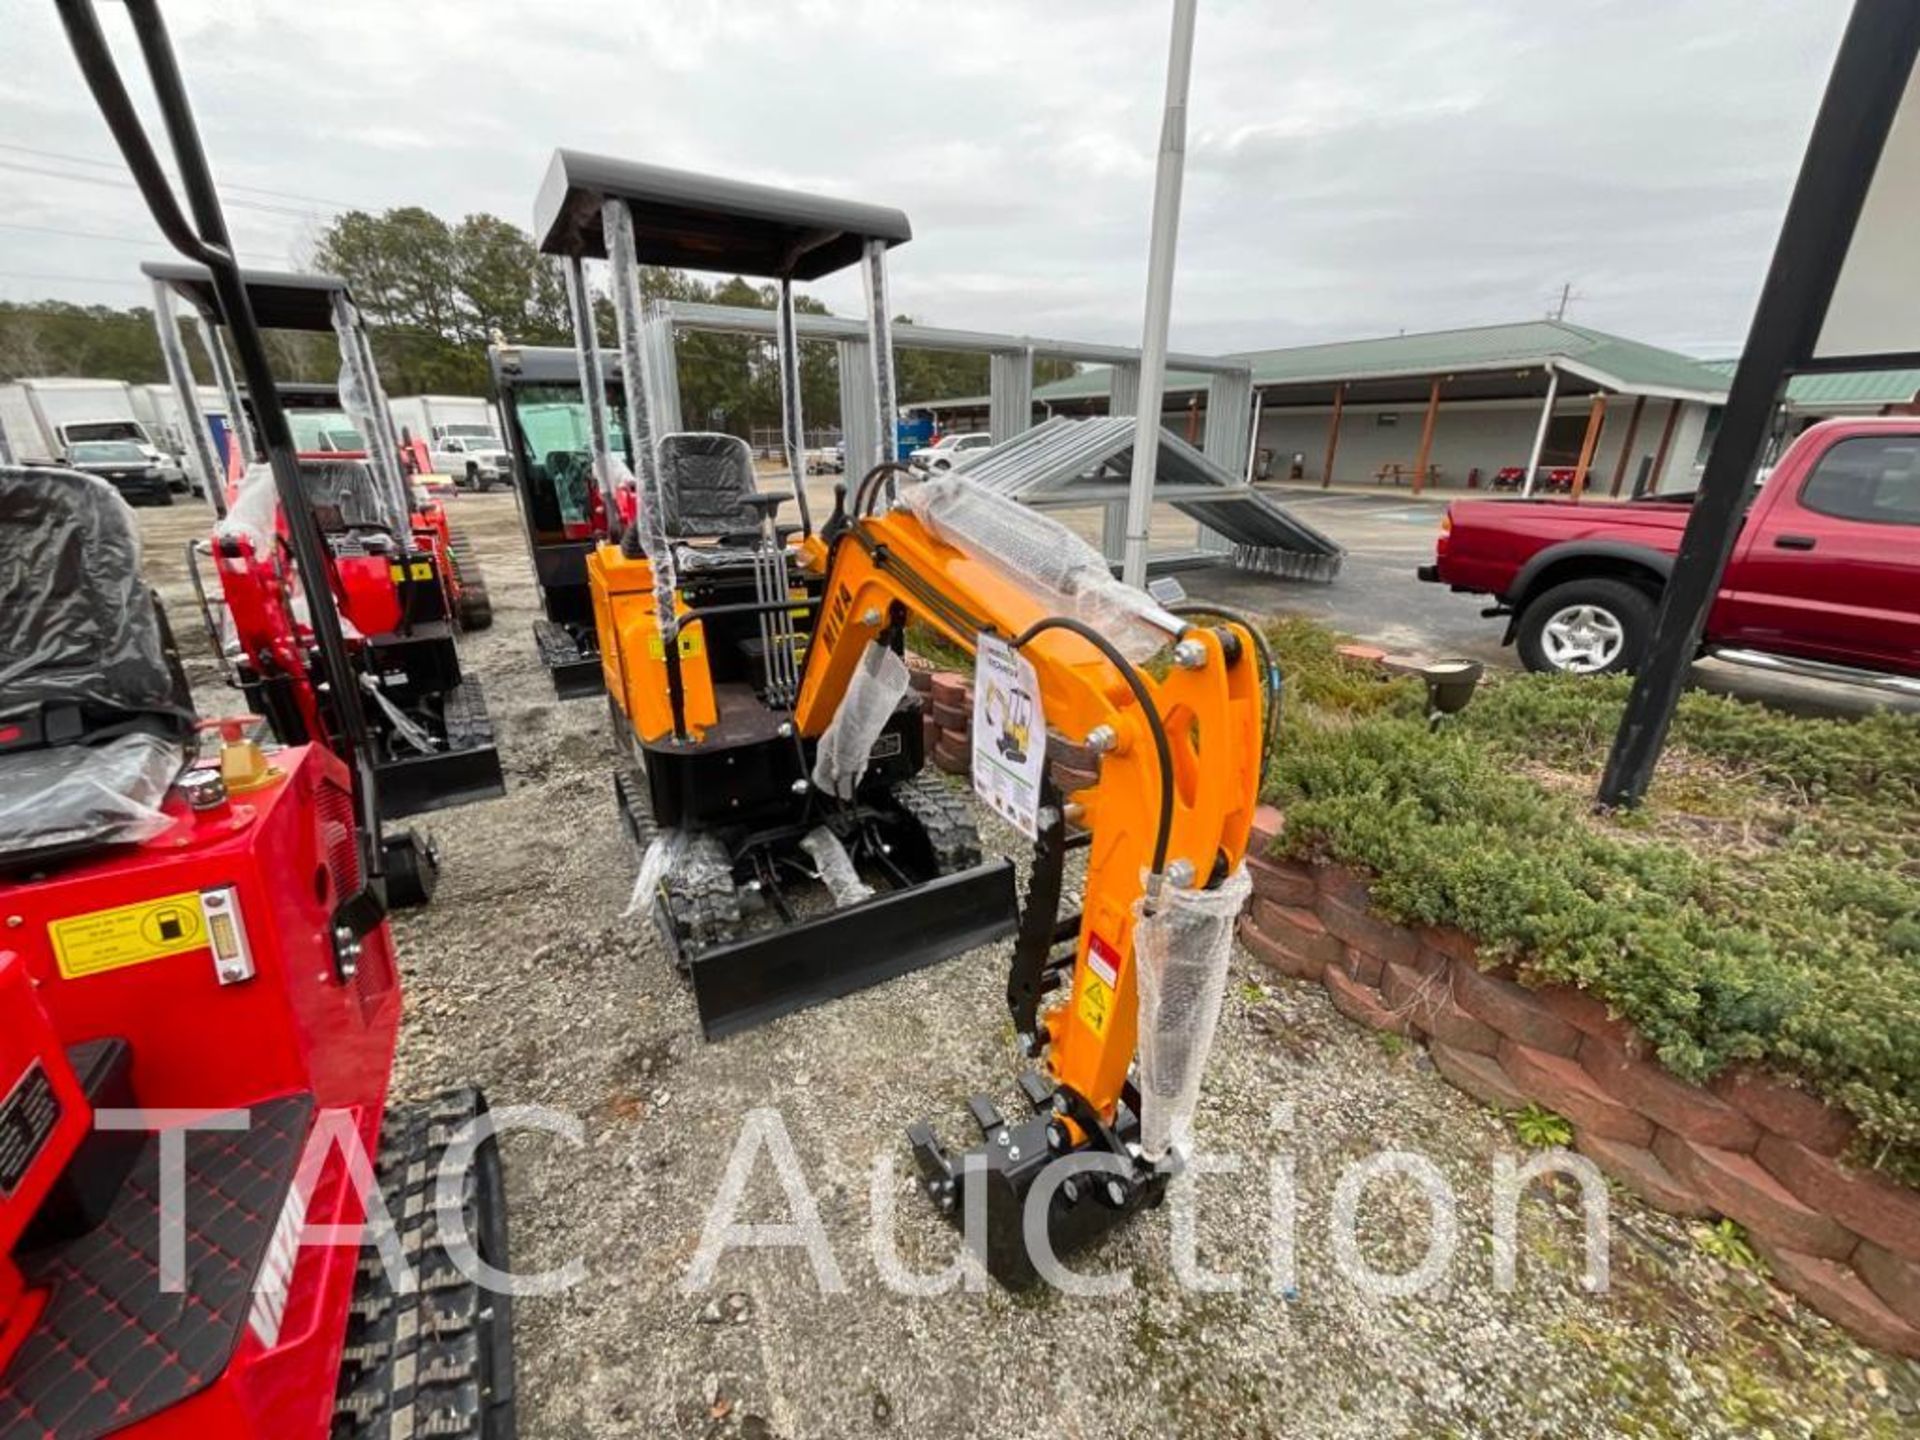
(1763, 905)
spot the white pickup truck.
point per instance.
(461, 437)
(950, 452)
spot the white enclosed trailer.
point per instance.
(42, 418)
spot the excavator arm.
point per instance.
(1180, 752)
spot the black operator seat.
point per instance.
(95, 714)
(707, 486)
(572, 474)
(709, 492)
(344, 495)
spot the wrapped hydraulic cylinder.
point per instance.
(663, 851)
(836, 867)
(1041, 554)
(872, 693)
(1180, 952)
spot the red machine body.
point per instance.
(122, 949)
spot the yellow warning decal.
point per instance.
(397, 573)
(422, 570)
(1095, 1003)
(689, 643)
(103, 940)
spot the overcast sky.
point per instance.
(1355, 168)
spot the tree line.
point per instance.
(434, 293)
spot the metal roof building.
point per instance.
(1455, 407)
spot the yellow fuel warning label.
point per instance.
(103, 940)
(1095, 1004)
(688, 644)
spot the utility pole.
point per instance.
(1168, 177)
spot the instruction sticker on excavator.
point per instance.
(1009, 734)
(126, 935)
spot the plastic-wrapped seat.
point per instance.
(706, 484)
(343, 488)
(94, 708)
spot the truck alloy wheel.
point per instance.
(1595, 626)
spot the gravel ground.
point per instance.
(524, 977)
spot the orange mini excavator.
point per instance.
(758, 689)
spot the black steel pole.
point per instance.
(1869, 77)
(207, 240)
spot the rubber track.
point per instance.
(946, 815)
(465, 715)
(475, 609)
(412, 1364)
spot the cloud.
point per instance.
(1353, 169)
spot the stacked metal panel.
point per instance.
(1074, 462)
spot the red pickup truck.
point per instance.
(1824, 579)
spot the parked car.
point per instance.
(124, 465)
(828, 460)
(950, 452)
(1824, 577)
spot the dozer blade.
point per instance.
(750, 982)
(575, 673)
(415, 784)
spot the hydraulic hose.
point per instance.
(862, 498)
(1162, 750)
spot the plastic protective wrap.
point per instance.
(649, 522)
(85, 794)
(1180, 954)
(705, 480)
(202, 459)
(663, 851)
(836, 868)
(872, 693)
(366, 404)
(254, 514)
(1042, 554)
(77, 622)
(345, 487)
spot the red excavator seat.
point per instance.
(94, 708)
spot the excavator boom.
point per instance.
(1179, 741)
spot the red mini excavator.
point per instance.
(398, 577)
(199, 1000)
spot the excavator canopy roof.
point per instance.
(702, 222)
(282, 300)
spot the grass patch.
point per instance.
(1763, 905)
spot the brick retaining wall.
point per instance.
(947, 721)
(1844, 1239)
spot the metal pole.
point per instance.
(1540, 435)
(213, 342)
(886, 412)
(1253, 439)
(1870, 75)
(186, 394)
(1160, 255)
(593, 383)
(383, 443)
(792, 436)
